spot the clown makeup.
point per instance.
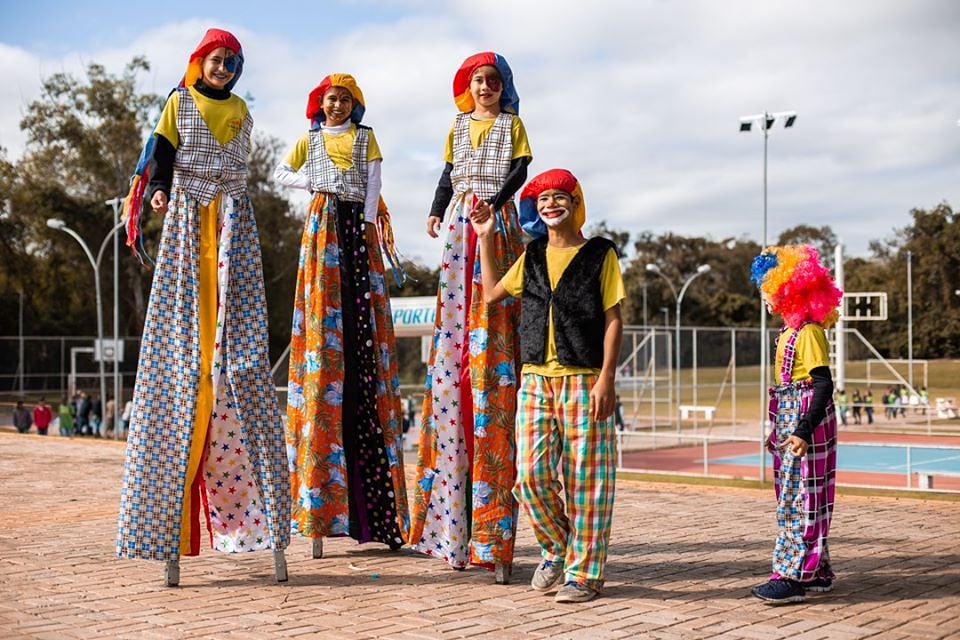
(486, 87)
(219, 67)
(554, 206)
(337, 105)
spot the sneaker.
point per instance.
(574, 592)
(780, 592)
(818, 585)
(547, 575)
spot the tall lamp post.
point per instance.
(765, 121)
(60, 225)
(702, 269)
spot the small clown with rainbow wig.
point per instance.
(797, 287)
(343, 409)
(463, 510)
(206, 443)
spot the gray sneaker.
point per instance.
(575, 592)
(547, 576)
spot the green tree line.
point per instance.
(84, 136)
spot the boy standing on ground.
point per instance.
(797, 287)
(570, 290)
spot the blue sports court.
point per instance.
(878, 459)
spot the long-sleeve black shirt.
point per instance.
(161, 178)
(514, 180)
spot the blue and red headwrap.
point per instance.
(315, 111)
(553, 179)
(509, 100)
(214, 39)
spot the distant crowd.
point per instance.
(896, 400)
(81, 415)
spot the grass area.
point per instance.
(715, 387)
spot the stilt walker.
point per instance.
(343, 405)
(205, 445)
(464, 511)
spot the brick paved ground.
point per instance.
(682, 561)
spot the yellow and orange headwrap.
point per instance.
(345, 80)
(553, 179)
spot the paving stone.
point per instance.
(682, 561)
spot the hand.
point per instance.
(433, 226)
(159, 202)
(371, 236)
(796, 445)
(482, 219)
(602, 398)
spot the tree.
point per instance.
(722, 297)
(823, 238)
(280, 232)
(83, 140)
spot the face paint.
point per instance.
(556, 216)
(230, 63)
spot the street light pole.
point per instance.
(702, 269)
(765, 120)
(116, 204)
(60, 225)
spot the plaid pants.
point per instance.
(555, 437)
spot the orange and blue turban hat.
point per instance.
(796, 286)
(133, 204)
(553, 179)
(214, 39)
(509, 100)
(315, 112)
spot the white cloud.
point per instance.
(639, 99)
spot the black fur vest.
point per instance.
(577, 303)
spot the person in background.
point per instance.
(857, 406)
(65, 412)
(21, 418)
(42, 416)
(868, 405)
(125, 419)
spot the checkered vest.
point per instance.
(203, 167)
(485, 168)
(348, 184)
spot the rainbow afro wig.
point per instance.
(796, 286)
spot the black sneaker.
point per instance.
(780, 592)
(818, 585)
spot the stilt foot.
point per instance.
(171, 573)
(280, 565)
(502, 572)
(317, 548)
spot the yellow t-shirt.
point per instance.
(611, 289)
(478, 133)
(339, 147)
(812, 351)
(223, 117)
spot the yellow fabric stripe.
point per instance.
(207, 315)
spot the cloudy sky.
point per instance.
(639, 98)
